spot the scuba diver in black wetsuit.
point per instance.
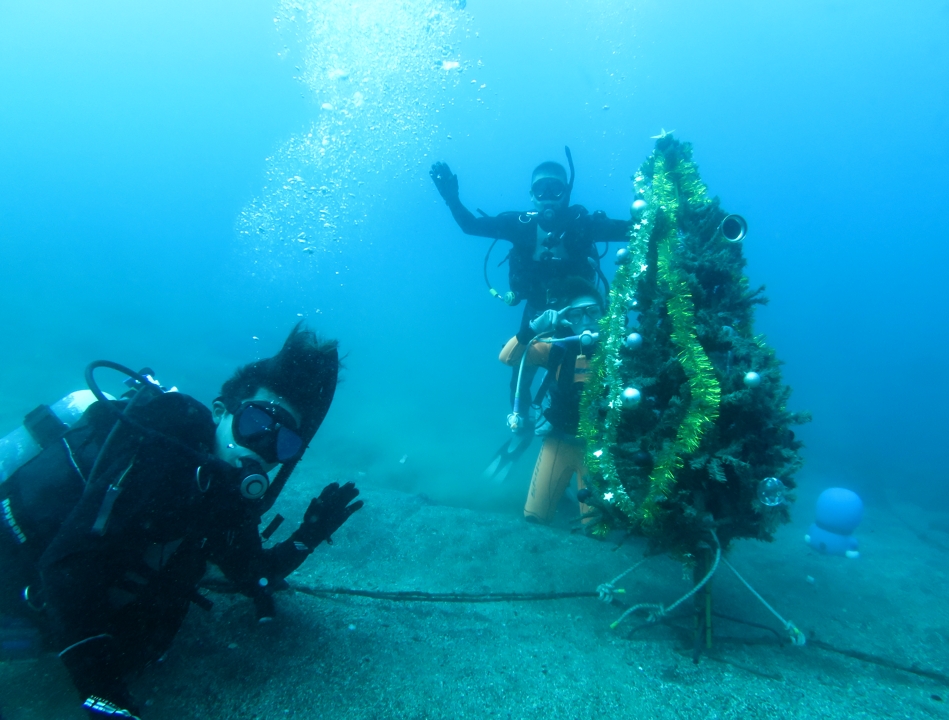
(554, 241)
(106, 532)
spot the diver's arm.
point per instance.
(256, 571)
(239, 553)
(601, 228)
(499, 226)
(323, 517)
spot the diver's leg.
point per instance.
(552, 474)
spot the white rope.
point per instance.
(797, 637)
(607, 590)
(661, 611)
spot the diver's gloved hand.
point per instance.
(545, 322)
(326, 514)
(445, 181)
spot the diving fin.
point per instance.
(508, 454)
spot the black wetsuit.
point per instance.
(544, 251)
(114, 601)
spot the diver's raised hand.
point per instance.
(326, 514)
(445, 182)
(545, 322)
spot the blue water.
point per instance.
(143, 216)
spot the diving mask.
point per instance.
(548, 189)
(268, 430)
(577, 314)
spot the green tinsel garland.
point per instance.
(606, 364)
(703, 385)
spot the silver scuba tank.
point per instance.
(41, 427)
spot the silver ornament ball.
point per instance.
(631, 397)
(634, 341)
(638, 206)
(622, 256)
(752, 379)
(771, 492)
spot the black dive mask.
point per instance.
(268, 430)
(548, 189)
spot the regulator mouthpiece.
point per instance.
(254, 481)
(254, 486)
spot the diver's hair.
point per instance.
(304, 373)
(568, 289)
(549, 168)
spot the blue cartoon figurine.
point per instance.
(839, 511)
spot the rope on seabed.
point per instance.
(604, 592)
(416, 596)
(797, 637)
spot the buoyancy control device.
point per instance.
(40, 429)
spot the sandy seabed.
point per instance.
(350, 657)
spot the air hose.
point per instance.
(514, 420)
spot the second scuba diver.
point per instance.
(553, 241)
(562, 341)
(550, 243)
(106, 533)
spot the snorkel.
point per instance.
(573, 174)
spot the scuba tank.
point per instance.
(41, 428)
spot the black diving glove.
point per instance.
(445, 181)
(326, 514)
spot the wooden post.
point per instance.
(702, 604)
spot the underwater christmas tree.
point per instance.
(685, 417)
